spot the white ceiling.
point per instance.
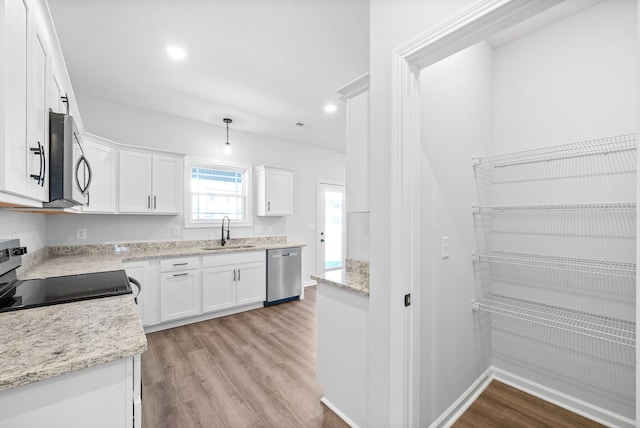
(264, 64)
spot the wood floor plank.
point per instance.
(502, 406)
(254, 369)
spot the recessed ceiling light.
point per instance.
(176, 52)
(330, 108)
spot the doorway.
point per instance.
(332, 226)
(405, 172)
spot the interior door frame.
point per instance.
(473, 25)
(320, 215)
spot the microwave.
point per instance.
(69, 169)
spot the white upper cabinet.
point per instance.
(356, 94)
(101, 197)
(38, 111)
(15, 18)
(32, 72)
(167, 184)
(149, 183)
(274, 191)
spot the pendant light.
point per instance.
(227, 146)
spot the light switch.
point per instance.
(257, 229)
(445, 247)
(175, 230)
(81, 233)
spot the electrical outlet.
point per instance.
(269, 229)
(175, 230)
(257, 229)
(445, 247)
(81, 233)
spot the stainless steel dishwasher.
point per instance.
(284, 277)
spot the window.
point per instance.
(216, 191)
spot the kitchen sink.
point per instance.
(229, 247)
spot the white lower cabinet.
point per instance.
(251, 283)
(104, 396)
(179, 295)
(218, 288)
(177, 289)
(147, 273)
(231, 280)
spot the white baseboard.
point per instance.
(573, 404)
(205, 317)
(310, 283)
(337, 411)
(464, 401)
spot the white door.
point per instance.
(332, 226)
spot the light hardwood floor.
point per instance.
(253, 369)
(502, 406)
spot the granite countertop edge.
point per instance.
(360, 289)
(56, 341)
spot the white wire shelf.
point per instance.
(602, 146)
(590, 266)
(584, 323)
(600, 206)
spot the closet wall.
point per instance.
(571, 81)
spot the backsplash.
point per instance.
(109, 249)
(361, 267)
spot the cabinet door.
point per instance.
(14, 141)
(167, 184)
(178, 295)
(279, 192)
(37, 115)
(218, 288)
(134, 182)
(250, 283)
(101, 197)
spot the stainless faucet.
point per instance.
(223, 240)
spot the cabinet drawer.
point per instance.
(181, 263)
(233, 258)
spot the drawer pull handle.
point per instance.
(180, 274)
(180, 264)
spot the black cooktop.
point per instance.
(31, 293)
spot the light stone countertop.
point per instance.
(103, 258)
(354, 277)
(40, 343)
(48, 341)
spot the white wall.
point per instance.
(29, 228)
(393, 23)
(456, 94)
(133, 126)
(572, 81)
